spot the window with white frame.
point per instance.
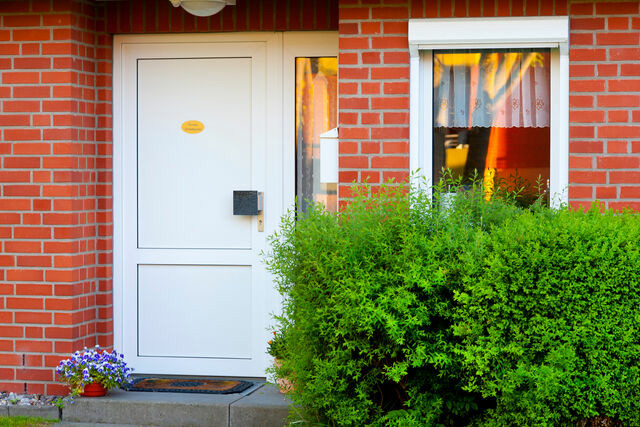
(489, 100)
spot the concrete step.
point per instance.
(263, 406)
(48, 412)
(68, 424)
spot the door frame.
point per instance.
(281, 48)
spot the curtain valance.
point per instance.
(491, 88)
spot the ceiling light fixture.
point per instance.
(202, 7)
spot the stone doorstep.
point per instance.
(48, 412)
(264, 407)
(68, 424)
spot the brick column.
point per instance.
(55, 207)
(605, 104)
(374, 93)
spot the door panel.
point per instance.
(191, 292)
(178, 303)
(195, 294)
(186, 180)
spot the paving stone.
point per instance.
(265, 407)
(69, 424)
(49, 412)
(158, 409)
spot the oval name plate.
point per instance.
(192, 126)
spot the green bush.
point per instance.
(459, 311)
(369, 305)
(550, 320)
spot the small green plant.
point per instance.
(61, 402)
(276, 345)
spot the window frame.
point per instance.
(427, 35)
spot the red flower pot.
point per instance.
(94, 390)
(284, 384)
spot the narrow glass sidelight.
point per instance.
(491, 117)
(316, 113)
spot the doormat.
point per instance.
(189, 385)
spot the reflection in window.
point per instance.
(491, 117)
(316, 113)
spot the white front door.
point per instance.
(198, 117)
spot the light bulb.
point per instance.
(203, 7)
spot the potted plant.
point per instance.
(94, 371)
(276, 349)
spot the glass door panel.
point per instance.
(316, 112)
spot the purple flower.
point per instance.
(95, 364)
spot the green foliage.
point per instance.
(276, 345)
(549, 318)
(457, 309)
(369, 305)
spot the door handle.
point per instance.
(249, 203)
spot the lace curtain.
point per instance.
(491, 89)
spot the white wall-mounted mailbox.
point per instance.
(329, 156)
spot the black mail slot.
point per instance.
(247, 202)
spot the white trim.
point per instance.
(414, 119)
(482, 31)
(485, 46)
(561, 148)
(118, 211)
(426, 35)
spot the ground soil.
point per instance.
(600, 422)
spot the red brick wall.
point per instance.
(159, 16)
(55, 157)
(605, 103)
(604, 89)
(55, 281)
(55, 130)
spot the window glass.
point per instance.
(491, 117)
(316, 113)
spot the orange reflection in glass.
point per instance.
(316, 113)
(492, 116)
